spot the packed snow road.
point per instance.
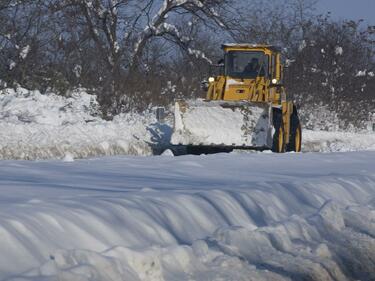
(258, 216)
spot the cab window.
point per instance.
(246, 64)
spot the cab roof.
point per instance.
(246, 46)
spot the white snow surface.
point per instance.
(25, 51)
(238, 216)
(218, 123)
(232, 216)
(323, 141)
(36, 126)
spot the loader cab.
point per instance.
(247, 61)
(250, 72)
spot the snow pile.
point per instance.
(323, 141)
(219, 123)
(319, 118)
(21, 106)
(246, 217)
(36, 126)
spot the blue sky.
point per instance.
(351, 9)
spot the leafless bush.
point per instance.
(335, 65)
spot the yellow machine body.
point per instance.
(256, 90)
(253, 74)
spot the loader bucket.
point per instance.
(222, 124)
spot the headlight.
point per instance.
(211, 79)
(274, 81)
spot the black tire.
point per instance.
(295, 141)
(278, 143)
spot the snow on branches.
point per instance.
(121, 29)
(158, 25)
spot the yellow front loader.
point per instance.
(246, 106)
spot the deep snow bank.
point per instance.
(323, 141)
(221, 217)
(219, 123)
(36, 126)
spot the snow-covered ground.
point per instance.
(237, 216)
(259, 216)
(322, 141)
(35, 126)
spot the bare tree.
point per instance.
(133, 53)
(278, 22)
(122, 29)
(335, 66)
(20, 28)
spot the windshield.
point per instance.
(240, 64)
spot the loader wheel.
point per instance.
(295, 142)
(278, 144)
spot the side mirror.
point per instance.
(204, 85)
(217, 69)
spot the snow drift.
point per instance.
(36, 126)
(220, 217)
(323, 141)
(222, 123)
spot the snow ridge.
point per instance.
(289, 217)
(35, 126)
